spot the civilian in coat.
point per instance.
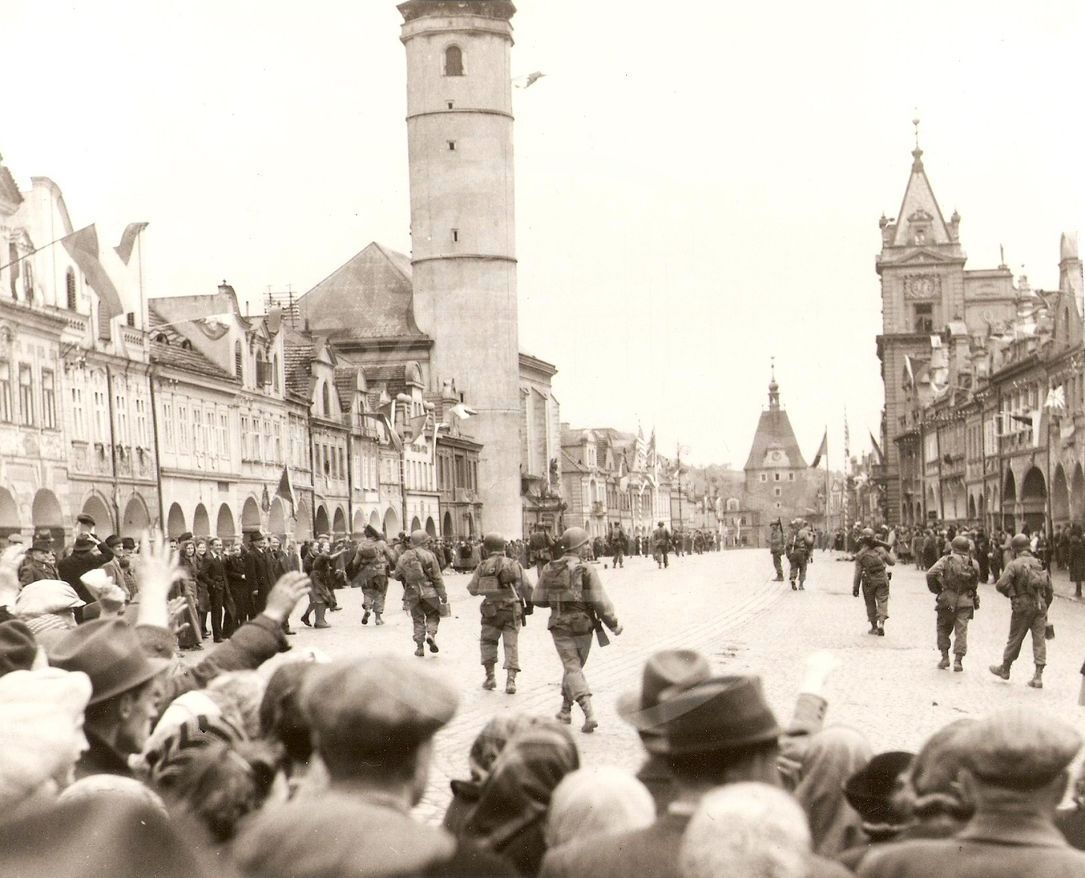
(87, 554)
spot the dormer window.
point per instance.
(920, 236)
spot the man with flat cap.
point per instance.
(1028, 586)
(579, 606)
(373, 722)
(120, 567)
(718, 731)
(1015, 772)
(423, 591)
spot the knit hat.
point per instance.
(46, 596)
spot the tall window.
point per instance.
(141, 422)
(167, 420)
(13, 270)
(182, 428)
(275, 373)
(453, 61)
(26, 395)
(325, 400)
(197, 431)
(246, 438)
(69, 285)
(5, 390)
(48, 399)
(79, 420)
(100, 416)
(924, 317)
(224, 440)
(238, 361)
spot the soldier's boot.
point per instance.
(365, 617)
(565, 715)
(590, 722)
(1037, 681)
(432, 641)
(321, 622)
(802, 585)
(1077, 589)
(305, 616)
(490, 682)
(419, 651)
(944, 663)
(1002, 670)
(880, 628)
(958, 663)
(510, 683)
(793, 586)
(378, 620)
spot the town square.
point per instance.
(467, 437)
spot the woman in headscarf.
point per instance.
(833, 755)
(599, 800)
(931, 797)
(484, 752)
(510, 817)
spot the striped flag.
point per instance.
(823, 449)
(82, 246)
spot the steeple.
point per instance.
(919, 222)
(774, 388)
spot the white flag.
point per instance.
(461, 411)
(1056, 399)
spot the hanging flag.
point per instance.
(128, 240)
(461, 411)
(823, 449)
(285, 490)
(1056, 399)
(877, 448)
(910, 371)
(1037, 427)
(417, 426)
(82, 246)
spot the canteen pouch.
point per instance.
(444, 608)
(1049, 631)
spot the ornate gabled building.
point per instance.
(924, 288)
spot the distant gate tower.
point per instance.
(463, 231)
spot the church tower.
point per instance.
(777, 478)
(460, 148)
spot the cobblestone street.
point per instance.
(727, 606)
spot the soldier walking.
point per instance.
(871, 573)
(506, 600)
(618, 545)
(954, 578)
(370, 567)
(776, 547)
(661, 545)
(1028, 586)
(798, 553)
(423, 591)
(578, 606)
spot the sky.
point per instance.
(698, 185)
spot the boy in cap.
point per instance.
(1015, 772)
(373, 722)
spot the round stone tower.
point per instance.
(463, 233)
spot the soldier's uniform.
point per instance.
(371, 564)
(953, 578)
(617, 543)
(871, 573)
(539, 550)
(1028, 586)
(576, 598)
(776, 547)
(506, 597)
(661, 545)
(798, 555)
(423, 591)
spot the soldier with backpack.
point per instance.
(1028, 586)
(369, 572)
(423, 591)
(798, 553)
(871, 573)
(506, 600)
(953, 579)
(579, 607)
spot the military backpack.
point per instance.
(561, 583)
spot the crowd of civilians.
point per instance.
(119, 758)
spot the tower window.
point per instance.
(924, 318)
(450, 105)
(69, 285)
(452, 146)
(455, 236)
(453, 61)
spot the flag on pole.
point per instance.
(823, 449)
(877, 448)
(82, 246)
(128, 240)
(285, 489)
(461, 411)
(417, 426)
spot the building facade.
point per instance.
(540, 447)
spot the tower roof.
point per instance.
(774, 434)
(920, 208)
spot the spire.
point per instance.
(917, 153)
(774, 388)
(919, 222)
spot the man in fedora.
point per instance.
(124, 701)
(257, 570)
(39, 562)
(120, 568)
(87, 554)
(665, 673)
(718, 731)
(1015, 771)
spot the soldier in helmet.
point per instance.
(776, 547)
(871, 573)
(578, 607)
(1028, 586)
(661, 545)
(506, 599)
(423, 591)
(798, 553)
(953, 579)
(372, 561)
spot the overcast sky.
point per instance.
(699, 184)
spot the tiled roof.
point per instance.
(368, 297)
(189, 360)
(298, 355)
(774, 431)
(346, 384)
(9, 191)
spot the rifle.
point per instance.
(600, 634)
